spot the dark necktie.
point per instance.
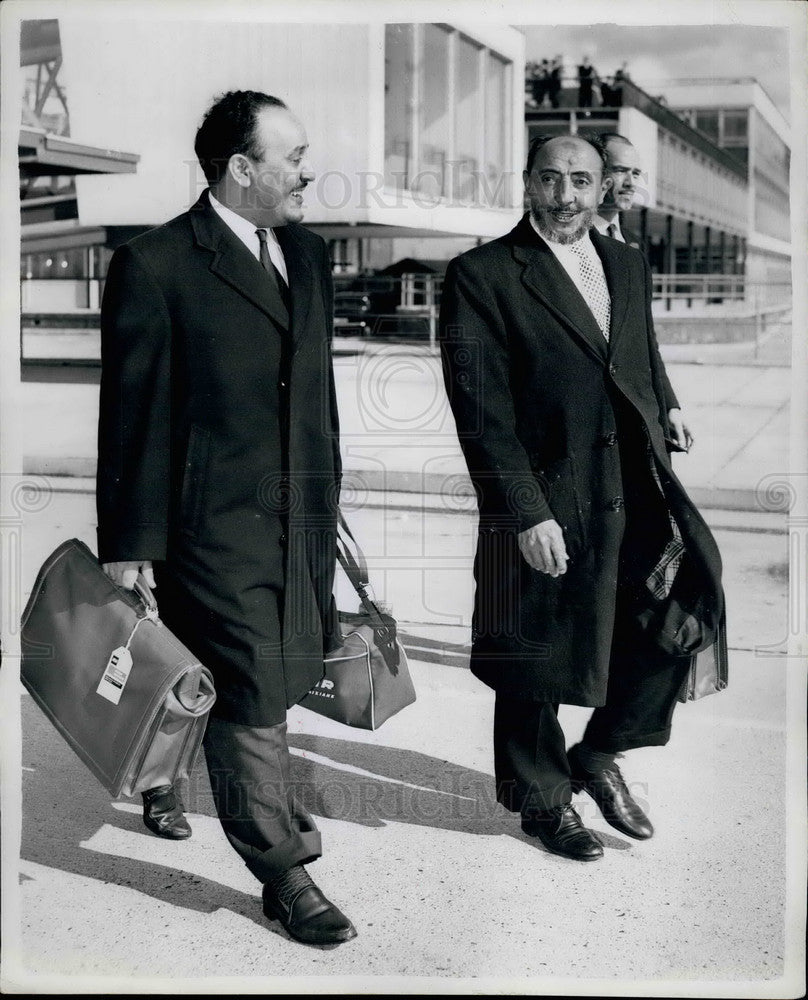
(269, 267)
(611, 230)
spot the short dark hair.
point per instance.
(605, 137)
(539, 141)
(228, 128)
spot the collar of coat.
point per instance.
(232, 262)
(545, 278)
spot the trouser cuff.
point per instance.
(631, 741)
(299, 849)
(530, 799)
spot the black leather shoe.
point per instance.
(613, 798)
(163, 815)
(562, 832)
(294, 900)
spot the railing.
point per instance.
(716, 289)
(630, 95)
(407, 307)
(390, 305)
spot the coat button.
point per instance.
(616, 504)
(613, 368)
(610, 440)
(282, 539)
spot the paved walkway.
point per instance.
(446, 893)
(398, 432)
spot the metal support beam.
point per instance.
(689, 267)
(669, 255)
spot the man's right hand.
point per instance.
(125, 573)
(543, 547)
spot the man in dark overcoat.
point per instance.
(596, 578)
(219, 469)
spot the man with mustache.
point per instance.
(597, 579)
(219, 470)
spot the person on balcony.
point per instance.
(555, 81)
(586, 81)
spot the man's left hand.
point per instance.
(680, 432)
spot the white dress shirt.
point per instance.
(602, 226)
(246, 232)
(569, 261)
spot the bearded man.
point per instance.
(597, 579)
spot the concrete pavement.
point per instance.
(445, 891)
(398, 433)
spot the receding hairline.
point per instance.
(575, 141)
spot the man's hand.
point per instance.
(680, 432)
(125, 573)
(543, 547)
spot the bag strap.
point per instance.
(356, 569)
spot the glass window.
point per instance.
(398, 82)
(497, 132)
(447, 131)
(736, 126)
(435, 113)
(707, 122)
(468, 121)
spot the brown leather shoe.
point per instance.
(294, 900)
(562, 832)
(608, 788)
(163, 815)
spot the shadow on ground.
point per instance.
(64, 806)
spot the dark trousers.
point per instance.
(530, 758)
(250, 778)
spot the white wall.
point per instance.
(143, 86)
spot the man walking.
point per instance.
(219, 469)
(597, 579)
(624, 174)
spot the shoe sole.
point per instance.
(166, 835)
(349, 933)
(564, 854)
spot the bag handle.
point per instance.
(356, 569)
(145, 593)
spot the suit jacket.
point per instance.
(557, 423)
(218, 451)
(631, 238)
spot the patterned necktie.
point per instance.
(269, 267)
(594, 288)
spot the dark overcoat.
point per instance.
(541, 400)
(218, 451)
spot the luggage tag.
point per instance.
(119, 666)
(116, 674)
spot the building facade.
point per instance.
(716, 156)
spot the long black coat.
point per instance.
(218, 451)
(544, 408)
